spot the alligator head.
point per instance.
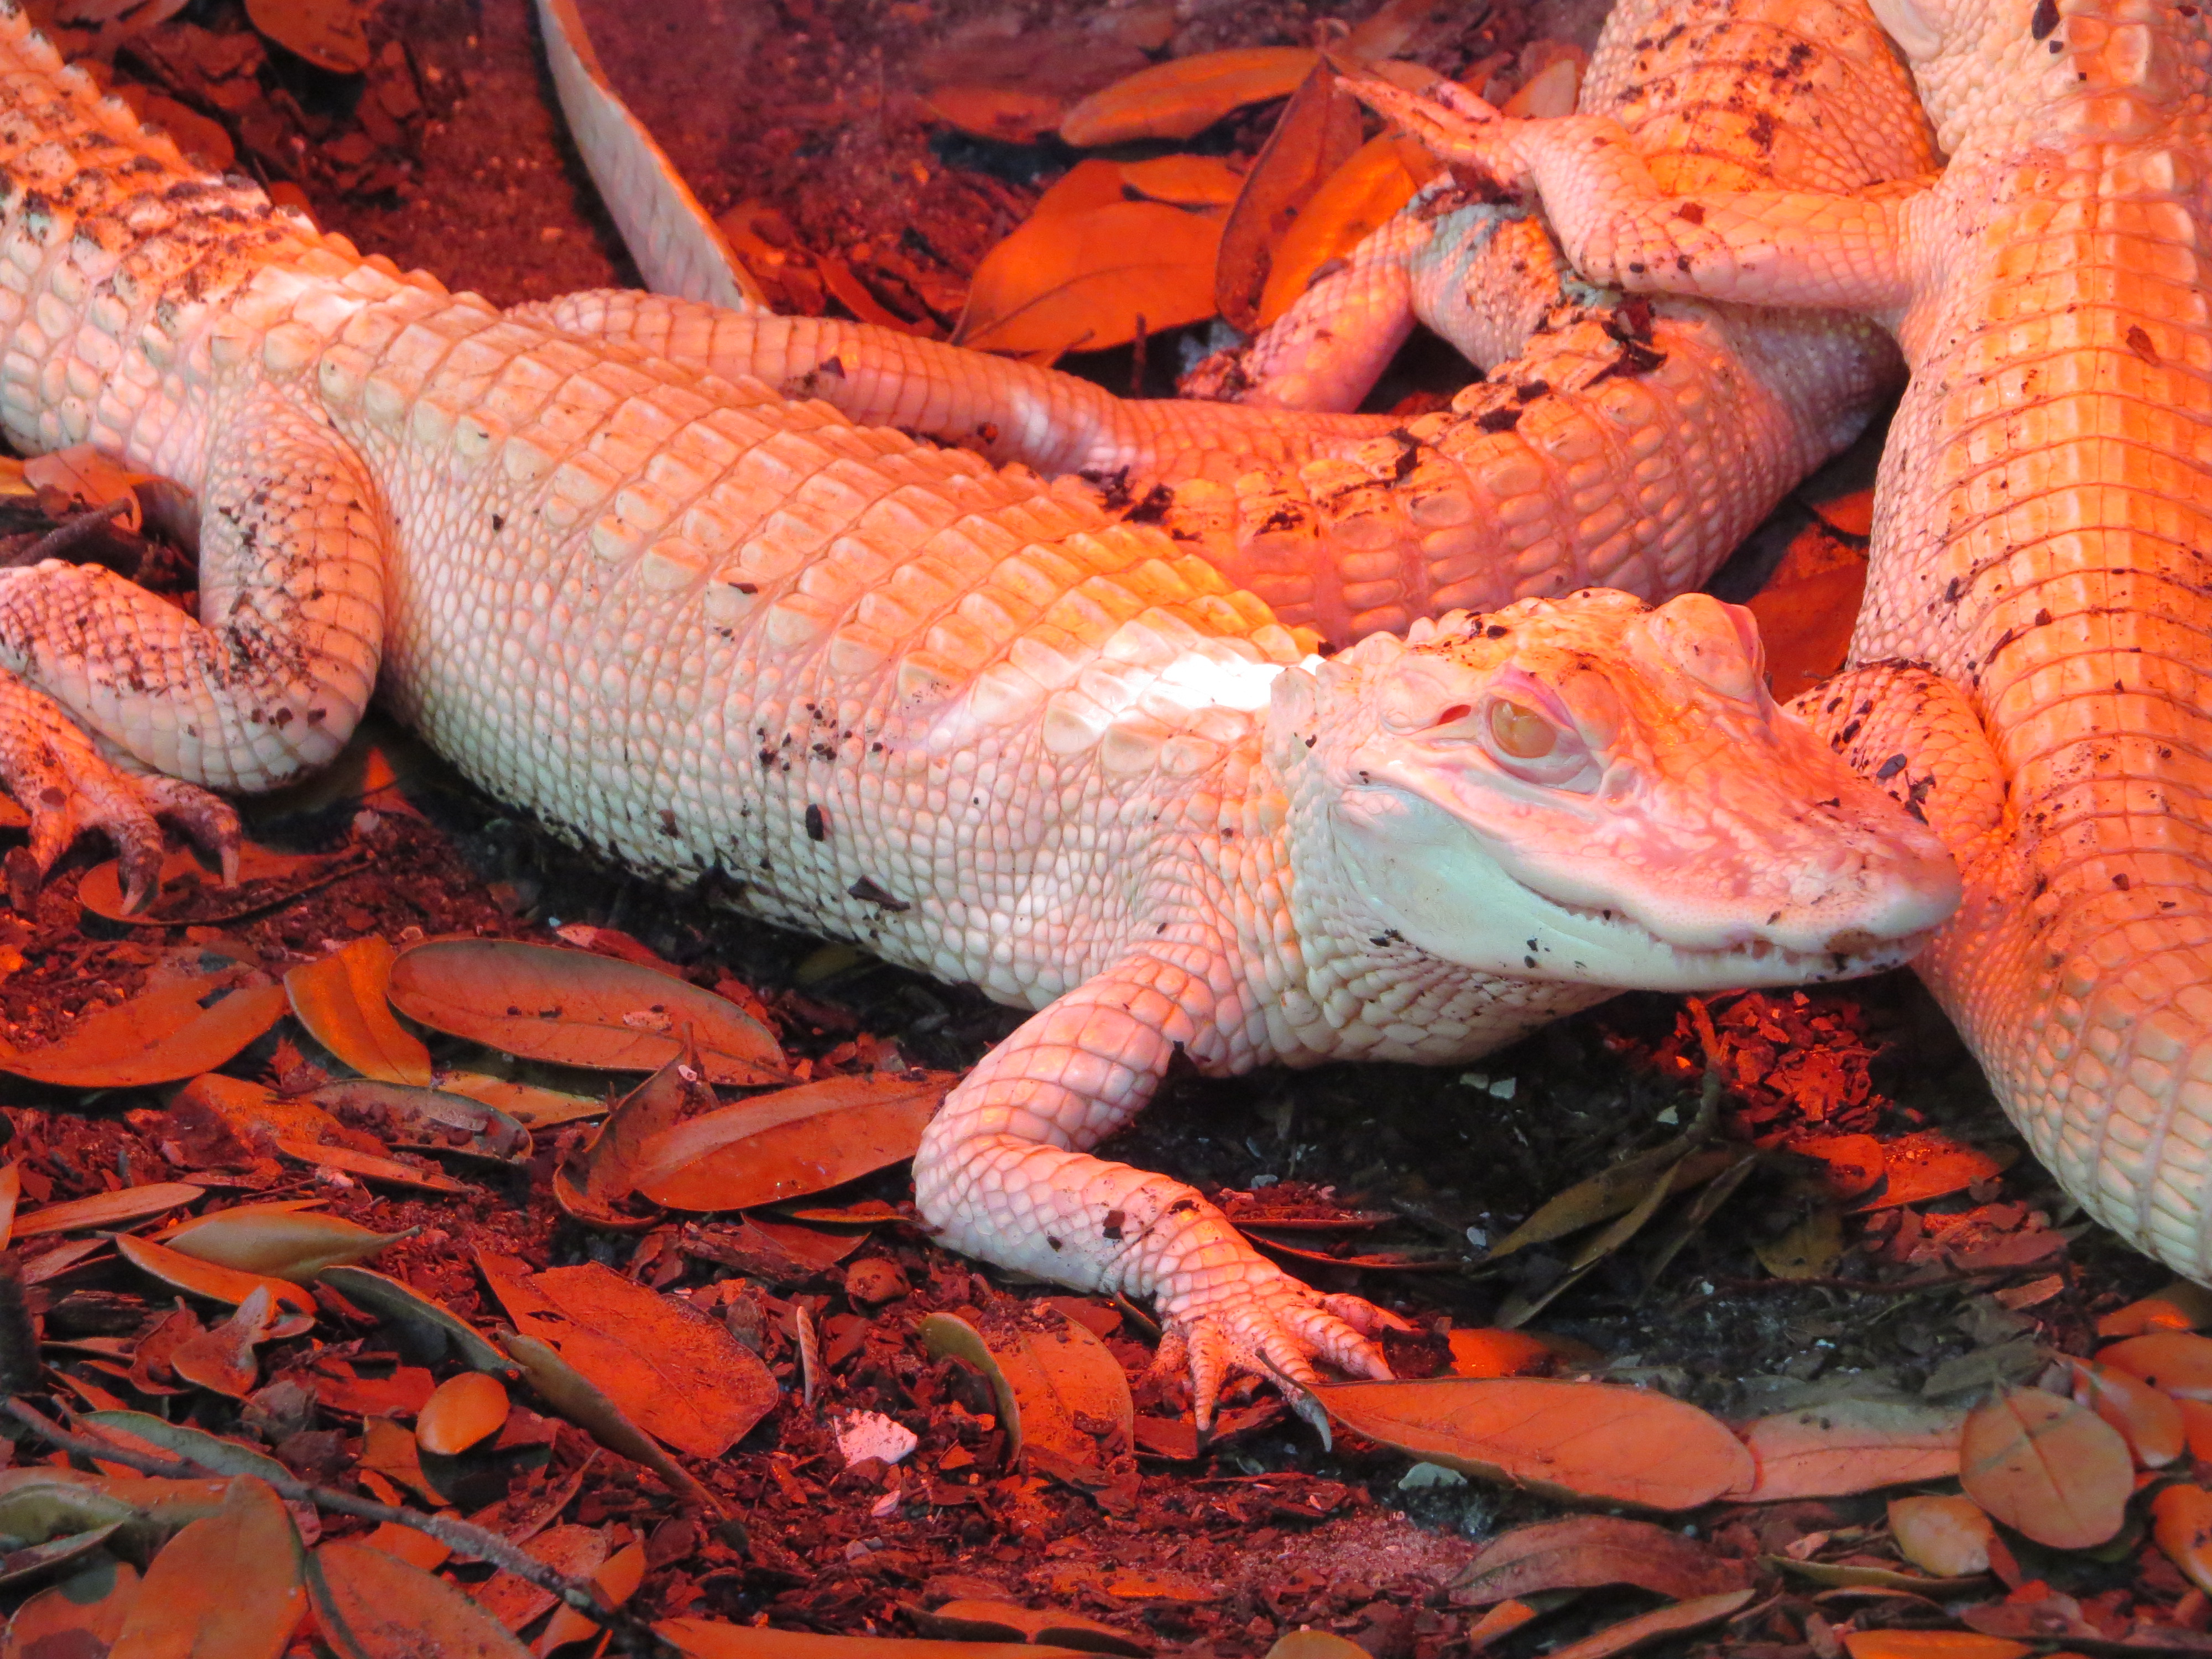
(1588, 790)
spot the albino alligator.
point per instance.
(2042, 523)
(893, 694)
(1628, 445)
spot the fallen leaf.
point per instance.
(341, 1002)
(369, 1166)
(331, 34)
(87, 479)
(1182, 180)
(465, 1408)
(1948, 1536)
(788, 1145)
(426, 1119)
(220, 1357)
(1850, 1446)
(388, 1448)
(532, 1107)
(20, 1568)
(1585, 1550)
(226, 1586)
(1585, 1440)
(1351, 204)
(192, 894)
(209, 1451)
(1497, 1353)
(403, 1391)
(1851, 1165)
(124, 1204)
(574, 1396)
(1317, 133)
(207, 1278)
(971, 1620)
(2148, 1420)
(1082, 282)
(710, 1638)
(369, 1605)
(2046, 1467)
(1089, 184)
(2179, 1362)
(11, 1189)
(2181, 1522)
(83, 1615)
(1649, 1627)
(382, 1294)
(408, 1543)
(1927, 1164)
(601, 1172)
(1547, 95)
(1808, 1249)
(676, 1374)
(616, 1581)
(2181, 1306)
(1930, 1645)
(1052, 1378)
(1181, 98)
(257, 1117)
(278, 1241)
(1006, 113)
(159, 1037)
(1307, 1643)
(574, 1551)
(577, 1008)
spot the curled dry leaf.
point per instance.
(1852, 1445)
(1192, 182)
(260, 1117)
(208, 1452)
(709, 1638)
(465, 1408)
(191, 895)
(573, 1394)
(159, 1037)
(1629, 1633)
(1181, 98)
(1081, 282)
(228, 1587)
(2181, 1306)
(341, 1001)
(1497, 1353)
(220, 1357)
(1948, 1536)
(369, 1605)
(2148, 1421)
(577, 1008)
(208, 1278)
(112, 1209)
(2046, 1467)
(379, 1293)
(1317, 133)
(1353, 203)
(528, 1104)
(1585, 1440)
(1007, 114)
(83, 1614)
(331, 34)
(1006, 1621)
(278, 1241)
(574, 1551)
(602, 1171)
(426, 1119)
(23, 1567)
(790, 1144)
(1930, 1645)
(616, 1581)
(677, 1374)
(1050, 1376)
(1927, 1164)
(2181, 1522)
(369, 1166)
(1585, 1550)
(2178, 1363)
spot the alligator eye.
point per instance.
(1521, 732)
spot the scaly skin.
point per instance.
(2039, 519)
(887, 694)
(1605, 449)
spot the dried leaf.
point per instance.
(1930, 1645)
(159, 1037)
(82, 1615)
(1808, 1249)
(278, 1241)
(22, 1568)
(1548, 93)
(1925, 1166)
(1650, 1626)
(11, 1189)
(572, 1394)
(1949, 1537)
(1181, 98)
(574, 1551)
(1192, 181)
(2179, 1362)
(532, 1106)
(1352, 204)
(192, 894)
(402, 1393)
(86, 478)
(222, 1357)
(1087, 185)
(112, 1209)
(577, 1008)
(1008, 114)
(2181, 1306)
(369, 1605)
(331, 34)
(964, 1620)
(465, 1408)
(209, 1451)
(2181, 1522)
(2148, 1420)
(1610, 1191)
(207, 1278)
(1318, 133)
(369, 1166)
(602, 1171)
(1586, 1551)
(225, 1588)
(791, 1144)
(341, 1002)
(710, 1638)
(426, 1119)
(1050, 1376)
(258, 1117)
(381, 1294)
(677, 1374)
(2046, 1467)
(616, 1581)
(1497, 1353)
(1581, 1438)
(1083, 281)
(389, 1448)
(1852, 1445)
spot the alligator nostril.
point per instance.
(1852, 942)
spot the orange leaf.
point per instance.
(1181, 98)
(341, 1002)
(190, 893)
(226, 1586)
(1583, 1438)
(2181, 1522)
(1948, 1536)
(1183, 180)
(1930, 1645)
(1352, 203)
(369, 1604)
(369, 1166)
(2196, 1425)
(2180, 1306)
(1497, 1353)
(73, 1617)
(616, 1581)
(205, 1278)
(331, 34)
(2149, 1421)
(1007, 113)
(1852, 1445)
(465, 1408)
(1053, 1379)
(1317, 133)
(1082, 280)
(106, 1209)
(1927, 1164)
(159, 1037)
(711, 1638)
(1650, 1626)
(2177, 1362)
(1584, 1551)
(2046, 1467)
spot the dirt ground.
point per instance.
(809, 105)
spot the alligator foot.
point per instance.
(69, 786)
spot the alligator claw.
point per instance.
(1275, 1328)
(1456, 126)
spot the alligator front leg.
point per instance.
(268, 686)
(1003, 1174)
